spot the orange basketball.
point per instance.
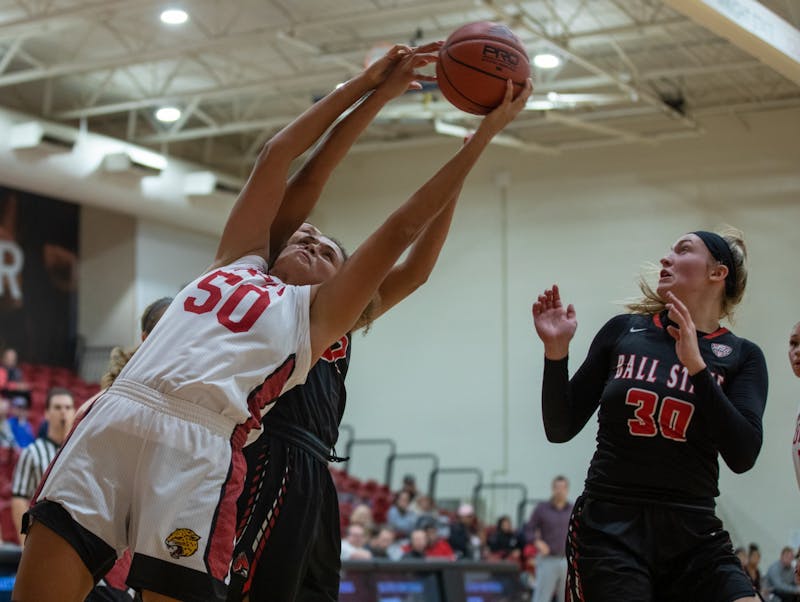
(475, 62)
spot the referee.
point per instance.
(34, 459)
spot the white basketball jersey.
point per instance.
(230, 331)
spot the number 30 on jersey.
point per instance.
(674, 415)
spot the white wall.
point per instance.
(166, 259)
(125, 265)
(432, 374)
(107, 286)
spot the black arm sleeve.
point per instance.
(734, 419)
(568, 404)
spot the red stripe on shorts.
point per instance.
(223, 527)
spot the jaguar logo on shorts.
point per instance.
(241, 566)
(721, 350)
(182, 542)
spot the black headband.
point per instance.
(720, 251)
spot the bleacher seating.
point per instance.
(352, 491)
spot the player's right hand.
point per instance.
(507, 110)
(554, 323)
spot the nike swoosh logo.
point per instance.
(638, 329)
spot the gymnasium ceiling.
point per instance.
(634, 71)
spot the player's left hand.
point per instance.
(685, 335)
(381, 69)
(404, 75)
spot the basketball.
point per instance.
(475, 63)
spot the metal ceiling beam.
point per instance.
(413, 11)
(222, 130)
(238, 40)
(596, 81)
(634, 91)
(128, 58)
(10, 53)
(282, 85)
(324, 77)
(752, 27)
(575, 122)
(653, 139)
(55, 20)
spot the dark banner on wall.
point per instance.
(38, 277)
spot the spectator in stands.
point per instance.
(6, 435)
(382, 545)
(463, 537)
(401, 517)
(741, 554)
(362, 515)
(752, 570)
(781, 578)
(410, 485)
(547, 529)
(10, 374)
(504, 543)
(417, 545)
(34, 460)
(354, 545)
(423, 506)
(438, 547)
(18, 422)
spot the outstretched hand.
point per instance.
(685, 335)
(403, 76)
(379, 71)
(376, 72)
(508, 109)
(554, 323)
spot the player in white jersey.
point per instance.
(156, 463)
(794, 361)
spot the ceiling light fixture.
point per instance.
(174, 16)
(168, 114)
(546, 60)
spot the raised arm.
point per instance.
(407, 276)
(734, 416)
(249, 223)
(305, 186)
(735, 419)
(338, 303)
(567, 404)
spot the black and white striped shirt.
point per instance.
(32, 463)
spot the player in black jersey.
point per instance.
(289, 540)
(288, 545)
(675, 390)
